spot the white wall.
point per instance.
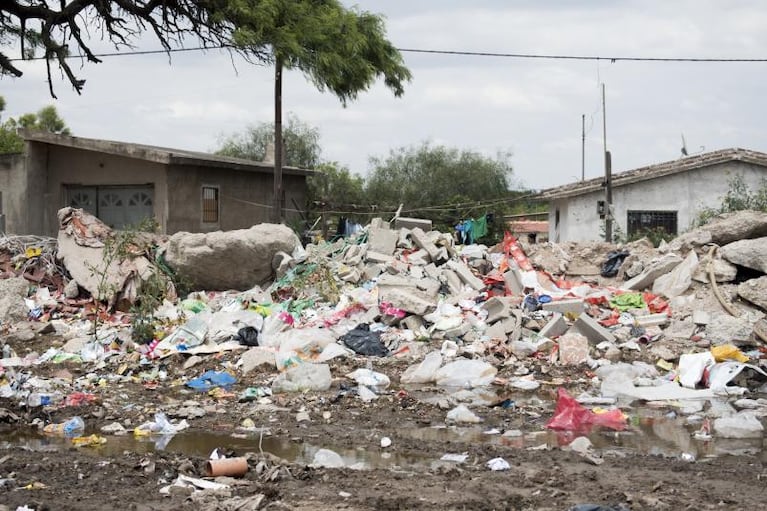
(686, 192)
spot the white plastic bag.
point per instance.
(425, 372)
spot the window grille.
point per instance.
(210, 205)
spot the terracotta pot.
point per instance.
(226, 467)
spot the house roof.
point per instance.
(157, 154)
(526, 226)
(654, 171)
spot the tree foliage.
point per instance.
(333, 183)
(738, 197)
(46, 119)
(341, 50)
(300, 140)
(62, 28)
(441, 183)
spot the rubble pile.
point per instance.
(683, 322)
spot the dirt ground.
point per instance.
(126, 474)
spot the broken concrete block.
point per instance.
(755, 291)
(429, 286)
(513, 281)
(416, 272)
(432, 271)
(382, 240)
(379, 223)
(652, 319)
(423, 242)
(465, 274)
(724, 329)
(349, 273)
(409, 299)
(247, 253)
(497, 307)
(411, 223)
(701, 317)
(413, 323)
(71, 290)
(678, 280)
(555, 327)
(396, 267)
(371, 271)
(573, 349)
(378, 257)
(452, 281)
(680, 330)
(723, 270)
(593, 331)
(387, 279)
(573, 306)
(419, 258)
(497, 331)
(458, 331)
(12, 294)
(442, 255)
(657, 268)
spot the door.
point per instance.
(117, 206)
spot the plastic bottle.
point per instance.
(37, 399)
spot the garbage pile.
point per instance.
(683, 322)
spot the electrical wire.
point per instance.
(610, 58)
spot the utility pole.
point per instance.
(608, 176)
(277, 207)
(583, 147)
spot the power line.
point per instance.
(450, 52)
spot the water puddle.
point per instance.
(201, 444)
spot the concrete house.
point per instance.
(124, 183)
(668, 195)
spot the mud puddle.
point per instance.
(201, 444)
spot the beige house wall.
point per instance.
(68, 166)
(13, 186)
(245, 197)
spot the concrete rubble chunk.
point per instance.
(739, 225)
(755, 291)
(656, 269)
(573, 349)
(388, 280)
(513, 281)
(452, 281)
(572, 306)
(411, 223)
(409, 299)
(749, 253)
(497, 308)
(12, 294)
(432, 271)
(354, 254)
(71, 289)
(593, 331)
(701, 317)
(382, 240)
(377, 257)
(429, 286)
(556, 326)
(724, 329)
(414, 323)
(423, 242)
(465, 274)
(419, 258)
(723, 271)
(224, 260)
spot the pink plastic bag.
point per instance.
(570, 415)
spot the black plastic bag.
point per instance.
(364, 342)
(247, 335)
(613, 263)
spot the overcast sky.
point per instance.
(531, 107)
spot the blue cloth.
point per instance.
(211, 379)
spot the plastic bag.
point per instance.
(211, 379)
(425, 372)
(613, 263)
(466, 373)
(570, 415)
(247, 335)
(364, 342)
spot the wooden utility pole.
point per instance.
(278, 212)
(583, 147)
(608, 176)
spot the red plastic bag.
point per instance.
(512, 248)
(570, 415)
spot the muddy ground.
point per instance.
(49, 473)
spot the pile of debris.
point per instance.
(684, 321)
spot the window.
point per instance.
(641, 221)
(210, 205)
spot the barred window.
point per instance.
(210, 205)
(642, 221)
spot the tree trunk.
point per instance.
(278, 212)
